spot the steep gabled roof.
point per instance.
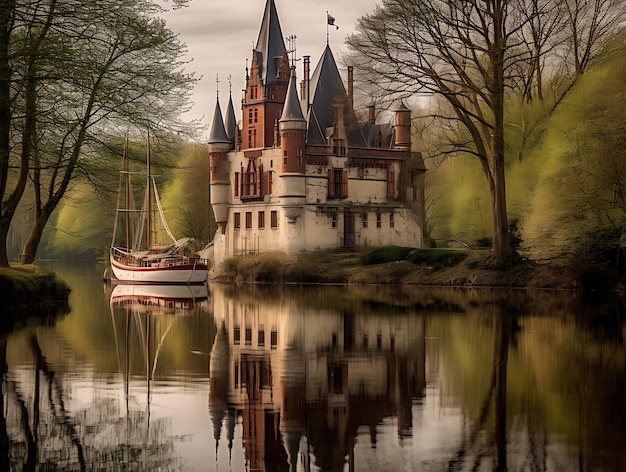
(270, 46)
(218, 132)
(328, 93)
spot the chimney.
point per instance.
(351, 87)
(307, 82)
(371, 114)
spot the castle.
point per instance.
(301, 173)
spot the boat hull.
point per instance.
(176, 274)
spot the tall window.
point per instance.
(391, 222)
(248, 219)
(237, 221)
(364, 219)
(274, 218)
(270, 181)
(333, 219)
(251, 181)
(337, 183)
(261, 219)
(378, 221)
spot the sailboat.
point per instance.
(141, 259)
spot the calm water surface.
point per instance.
(315, 379)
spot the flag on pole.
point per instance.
(331, 20)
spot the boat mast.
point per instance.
(127, 185)
(148, 198)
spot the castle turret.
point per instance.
(292, 128)
(219, 146)
(266, 84)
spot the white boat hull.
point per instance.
(176, 274)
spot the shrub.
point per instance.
(437, 257)
(384, 254)
(484, 243)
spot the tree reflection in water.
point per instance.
(38, 433)
(320, 379)
(313, 374)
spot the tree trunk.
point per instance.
(501, 241)
(6, 14)
(29, 253)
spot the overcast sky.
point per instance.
(220, 36)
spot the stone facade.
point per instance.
(301, 173)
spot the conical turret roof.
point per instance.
(270, 46)
(292, 111)
(218, 132)
(230, 120)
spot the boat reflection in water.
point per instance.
(158, 298)
(143, 317)
(305, 380)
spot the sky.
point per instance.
(220, 36)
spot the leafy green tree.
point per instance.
(75, 73)
(580, 199)
(186, 199)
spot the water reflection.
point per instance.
(319, 379)
(70, 419)
(305, 380)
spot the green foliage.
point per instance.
(186, 197)
(84, 225)
(581, 188)
(384, 254)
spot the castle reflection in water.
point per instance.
(303, 380)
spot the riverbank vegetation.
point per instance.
(27, 291)
(392, 265)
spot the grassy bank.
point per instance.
(398, 265)
(28, 291)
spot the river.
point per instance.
(225, 378)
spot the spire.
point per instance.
(292, 110)
(230, 120)
(218, 132)
(270, 45)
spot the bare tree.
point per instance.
(470, 55)
(463, 53)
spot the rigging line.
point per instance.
(160, 207)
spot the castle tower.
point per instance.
(219, 146)
(266, 86)
(293, 129)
